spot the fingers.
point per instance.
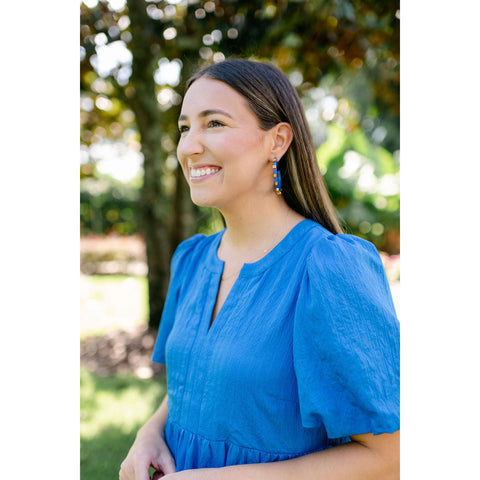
(127, 472)
(167, 463)
(140, 476)
(143, 455)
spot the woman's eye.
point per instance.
(215, 123)
(183, 128)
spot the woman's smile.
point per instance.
(223, 151)
(202, 172)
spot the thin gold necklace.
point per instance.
(226, 277)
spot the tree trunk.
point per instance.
(153, 211)
(163, 227)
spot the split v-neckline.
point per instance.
(216, 267)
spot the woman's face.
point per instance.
(223, 152)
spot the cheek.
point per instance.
(183, 164)
(241, 145)
(186, 173)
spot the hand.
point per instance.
(147, 450)
(197, 474)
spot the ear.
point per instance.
(282, 137)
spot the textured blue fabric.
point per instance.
(303, 353)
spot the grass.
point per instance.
(111, 411)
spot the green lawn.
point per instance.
(111, 411)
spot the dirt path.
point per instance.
(121, 352)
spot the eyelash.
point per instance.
(219, 124)
(211, 124)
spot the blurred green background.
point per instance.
(343, 58)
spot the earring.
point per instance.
(277, 177)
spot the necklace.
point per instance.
(265, 250)
(226, 277)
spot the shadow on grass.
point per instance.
(112, 410)
(101, 456)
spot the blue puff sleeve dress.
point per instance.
(303, 353)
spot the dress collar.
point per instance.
(215, 265)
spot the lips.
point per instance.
(197, 173)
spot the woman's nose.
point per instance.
(190, 144)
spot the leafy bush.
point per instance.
(363, 181)
(108, 206)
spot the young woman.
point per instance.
(279, 333)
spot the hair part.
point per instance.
(273, 99)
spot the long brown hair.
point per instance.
(273, 99)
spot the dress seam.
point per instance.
(240, 446)
(187, 370)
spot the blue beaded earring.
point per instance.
(277, 177)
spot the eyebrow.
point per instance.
(205, 113)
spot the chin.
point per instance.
(203, 200)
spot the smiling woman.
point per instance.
(222, 149)
(279, 333)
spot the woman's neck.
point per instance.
(256, 228)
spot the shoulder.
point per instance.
(345, 286)
(187, 246)
(324, 246)
(190, 250)
(343, 261)
(335, 251)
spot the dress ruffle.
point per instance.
(194, 451)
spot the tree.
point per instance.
(340, 43)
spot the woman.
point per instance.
(279, 333)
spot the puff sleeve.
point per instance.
(346, 341)
(177, 267)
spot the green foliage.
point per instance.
(363, 181)
(112, 409)
(108, 205)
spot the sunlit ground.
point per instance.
(112, 301)
(113, 406)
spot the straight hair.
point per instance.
(273, 99)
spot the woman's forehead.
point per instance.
(209, 94)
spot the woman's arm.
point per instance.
(156, 423)
(149, 448)
(367, 457)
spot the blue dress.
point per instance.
(303, 353)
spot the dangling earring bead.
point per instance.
(277, 177)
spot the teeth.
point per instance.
(201, 172)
